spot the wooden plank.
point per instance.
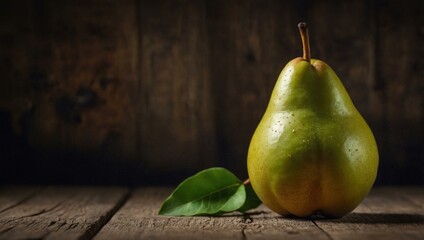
(69, 80)
(413, 194)
(265, 224)
(11, 196)
(176, 122)
(79, 212)
(387, 213)
(91, 53)
(15, 64)
(250, 42)
(62, 213)
(138, 219)
(401, 70)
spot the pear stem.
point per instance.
(303, 29)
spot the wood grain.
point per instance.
(400, 38)
(265, 224)
(11, 196)
(110, 213)
(388, 213)
(60, 213)
(391, 213)
(138, 219)
(176, 121)
(69, 75)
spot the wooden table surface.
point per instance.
(63, 212)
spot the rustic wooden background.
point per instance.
(131, 91)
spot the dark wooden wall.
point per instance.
(106, 91)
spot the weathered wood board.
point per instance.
(57, 212)
(117, 213)
(390, 213)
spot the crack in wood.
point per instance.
(246, 220)
(243, 233)
(52, 223)
(72, 226)
(23, 200)
(6, 230)
(103, 220)
(74, 213)
(166, 224)
(42, 211)
(322, 230)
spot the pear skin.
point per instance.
(312, 152)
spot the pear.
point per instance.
(312, 152)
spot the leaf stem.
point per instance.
(246, 182)
(303, 29)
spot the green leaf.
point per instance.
(211, 191)
(252, 200)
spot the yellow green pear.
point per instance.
(312, 152)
